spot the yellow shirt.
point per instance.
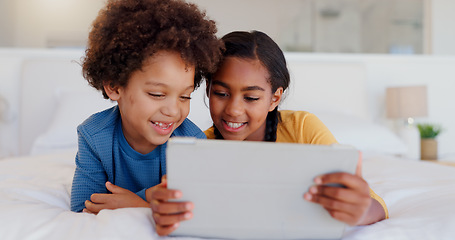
(304, 127)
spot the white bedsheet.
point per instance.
(35, 196)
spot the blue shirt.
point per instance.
(105, 155)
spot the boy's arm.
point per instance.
(142, 194)
(167, 215)
(118, 198)
(89, 177)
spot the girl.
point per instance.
(244, 95)
(148, 56)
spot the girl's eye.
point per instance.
(220, 94)
(251, 99)
(185, 98)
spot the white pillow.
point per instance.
(72, 109)
(365, 135)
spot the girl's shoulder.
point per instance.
(210, 133)
(302, 127)
(294, 116)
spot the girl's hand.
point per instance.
(167, 215)
(120, 198)
(349, 204)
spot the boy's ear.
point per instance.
(276, 99)
(112, 92)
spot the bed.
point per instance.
(35, 187)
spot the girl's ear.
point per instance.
(112, 92)
(207, 88)
(276, 99)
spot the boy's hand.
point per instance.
(350, 204)
(167, 215)
(120, 198)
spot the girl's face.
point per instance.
(240, 98)
(155, 101)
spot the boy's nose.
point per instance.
(171, 108)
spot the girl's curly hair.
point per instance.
(127, 32)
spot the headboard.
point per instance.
(326, 86)
(41, 78)
(316, 86)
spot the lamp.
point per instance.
(3, 109)
(406, 103)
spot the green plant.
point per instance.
(428, 130)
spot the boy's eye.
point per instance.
(185, 97)
(156, 95)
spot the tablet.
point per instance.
(254, 190)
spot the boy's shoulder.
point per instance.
(100, 121)
(189, 129)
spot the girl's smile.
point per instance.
(234, 126)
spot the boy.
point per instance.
(149, 56)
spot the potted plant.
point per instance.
(428, 143)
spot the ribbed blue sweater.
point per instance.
(105, 155)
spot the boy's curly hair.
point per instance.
(127, 32)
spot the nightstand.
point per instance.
(448, 160)
(442, 162)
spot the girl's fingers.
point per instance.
(346, 206)
(341, 194)
(343, 216)
(349, 180)
(337, 205)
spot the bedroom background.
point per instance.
(29, 32)
(338, 73)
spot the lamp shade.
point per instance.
(406, 102)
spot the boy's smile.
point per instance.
(163, 128)
(155, 101)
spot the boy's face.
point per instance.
(155, 101)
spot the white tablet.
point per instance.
(254, 190)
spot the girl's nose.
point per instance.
(234, 107)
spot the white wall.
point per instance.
(41, 23)
(6, 23)
(443, 32)
(50, 23)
